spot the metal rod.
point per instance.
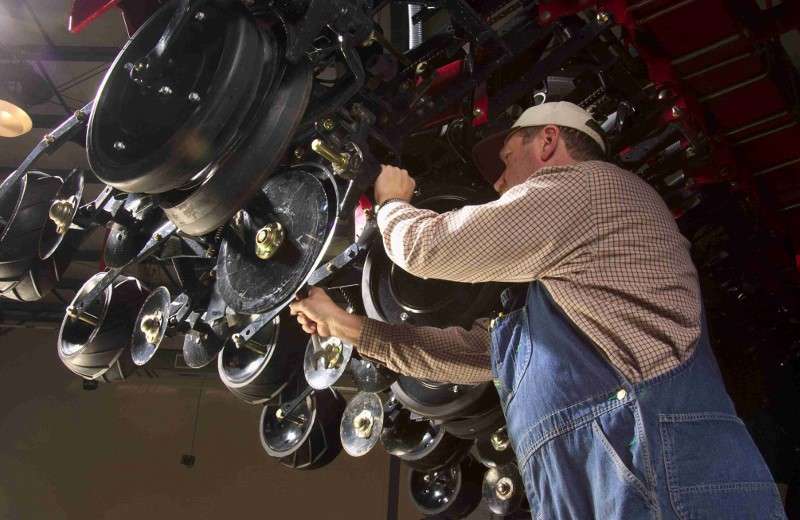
(756, 123)
(719, 65)
(735, 86)
(664, 11)
(766, 133)
(793, 206)
(776, 167)
(708, 48)
(639, 5)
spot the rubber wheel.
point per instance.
(256, 378)
(23, 211)
(96, 353)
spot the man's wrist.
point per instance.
(347, 327)
(392, 199)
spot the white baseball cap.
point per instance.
(561, 113)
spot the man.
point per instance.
(613, 400)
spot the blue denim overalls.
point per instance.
(592, 445)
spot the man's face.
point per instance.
(519, 160)
(522, 159)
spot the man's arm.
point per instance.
(452, 355)
(534, 229)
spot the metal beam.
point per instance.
(63, 52)
(89, 178)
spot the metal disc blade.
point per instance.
(201, 349)
(503, 489)
(494, 450)
(150, 326)
(325, 361)
(405, 436)
(369, 376)
(70, 195)
(362, 424)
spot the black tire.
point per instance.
(96, 353)
(23, 212)
(264, 377)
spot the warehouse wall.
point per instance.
(114, 453)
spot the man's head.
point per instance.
(550, 134)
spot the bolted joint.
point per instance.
(61, 211)
(74, 313)
(240, 342)
(504, 488)
(603, 17)
(268, 240)
(151, 326)
(499, 440)
(363, 423)
(339, 161)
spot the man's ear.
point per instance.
(550, 136)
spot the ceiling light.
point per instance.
(14, 121)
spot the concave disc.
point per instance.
(72, 193)
(325, 361)
(154, 313)
(503, 489)
(201, 348)
(369, 376)
(362, 424)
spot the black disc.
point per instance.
(369, 376)
(503, 490)
(256, 377)
(444, 400)
(299, 200)
(155, 307)
(158, 135)
(448, 493)
(125, 241)
(308, 438)
(201, 348)
(421, 444)
(99, 351)
(71, 192)
(238, 177)
(474, 426)
(392, 295)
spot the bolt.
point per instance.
(676, 112)
(240, 342)
(362, 423)
(151, 326)
(299, 153)
(268, 239)
(49, 139)
(194, 97)
(499, 440)
(328, 124)
(477, 112)
(89, 319)
(199, 16)
(157, 237)
(422, 67)
(663, 94)
(165, 90)
(140, 66)
(80, 115)
(602, 17)
(504, 488)
(403, 316)
(119, 146)
(60, 213)
(456, 389)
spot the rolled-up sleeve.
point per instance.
(534, 228)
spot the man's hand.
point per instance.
(318, 314)
(393, 183)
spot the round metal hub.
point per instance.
(325, 361)
(503, 489)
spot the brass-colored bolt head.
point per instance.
(363, 423)
(151, 326)
(60, 213)
(504, 488)
(49, 139)
(328, 124)
(268, 239)
(602, 17)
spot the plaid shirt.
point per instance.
(599, 238)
